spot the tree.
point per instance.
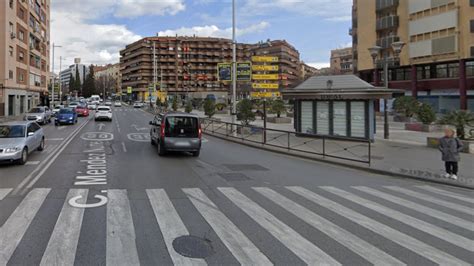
(174, 104)
(278, 107)
(244, 112)
(406, 105)
(77, 86)
(189, 107)
(459, 119)
(88, 88)
(426, 114)
(209, 108)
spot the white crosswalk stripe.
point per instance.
(299, 245)
(354, 243)
(449, 194)
(429, 198)
(15, 227)
(4, 192)
(428, 228)
(121, 247)
(469, 225)
(170, 224)
(61, 249)
(398, 237)
(240, 246)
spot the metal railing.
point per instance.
(343, 148)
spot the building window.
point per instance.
(21, 56)
(10, 51)
(12, 30)
(471, 2)
(21, 35)
(453, 70)
(10, 74)
(21, 13)
(442, 71)
(470, 69)
(11, 4)
(424, 72)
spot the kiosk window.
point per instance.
(307, 117)
(358, 119)
(340, 119)
(322, 121)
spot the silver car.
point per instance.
(176, 131)
(40, 114)
(19, 139)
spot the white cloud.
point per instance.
(319, 65)
(214, 31)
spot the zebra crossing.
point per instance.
(445, 217)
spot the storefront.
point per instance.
(336, 106)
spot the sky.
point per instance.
(96, 30)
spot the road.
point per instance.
(100, 195)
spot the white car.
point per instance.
(137, 105)
(103, 113)
(57, 108)
(108, 103)
(92, 106)
(117, 104)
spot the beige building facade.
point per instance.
(341, 61)
(24, 55)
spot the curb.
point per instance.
(357, 167)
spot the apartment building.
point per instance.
(437, 63)
(71, 71)
(307, 71)
(341, 61)
(188, 65)
(109, 76)
(24, 55)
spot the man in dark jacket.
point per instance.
(450, 147)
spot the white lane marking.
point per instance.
(419, 208)
(62, 245)
(32, 163)
(449, 194)
(171, 225)
(299, 245)
(31, 179)
(4, 192)
(124, 148)
(418, 224)
(429, 198)
(15, 227)
(121, 247)
(54, 139)
(398, 237)
(237, 243)
(345, 238)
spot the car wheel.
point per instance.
(153, 142)
(196, 153)
(41, 146)
(161, 149)
(24, 156)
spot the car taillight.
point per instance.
(162, 129)
(199, 132)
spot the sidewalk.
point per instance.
(404, 154)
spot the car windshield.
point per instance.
(17, 131)
(36, 110)
(181, 127)
(66, 111)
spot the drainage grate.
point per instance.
(193, 247)
(234, 176)
(245, 167)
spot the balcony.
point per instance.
(387, 22)
(386, 42)
(385, 4)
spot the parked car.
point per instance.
(176, 131)
(40, 114)
(56, 109)
(137, 105)
(117, 104)
(82, 111)
(108, 103)
(66, 116)
(103, 113)
(19, 139)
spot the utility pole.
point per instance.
(234, 65)
(155, 73)
(54, 79)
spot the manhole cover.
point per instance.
(245, 167)
(193, 247)
(234, 176)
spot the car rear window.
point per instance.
(103, 109)
(181, 127)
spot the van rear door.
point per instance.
(181, 127)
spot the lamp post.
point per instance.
(52, 94)
(155, 72)
(375, 52)
(61, 59)
(234, 65)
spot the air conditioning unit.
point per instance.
(12, 35)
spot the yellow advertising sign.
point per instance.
(265, 68)
(129, 90)
(265, 94)
(265, 59)
(267, 86)
(265, 76)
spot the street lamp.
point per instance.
(375, 52)
(52, 95)
(155, 72)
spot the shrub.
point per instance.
(278, 107)
(209, 108)
(174, 105)
(406, 105)
(244, 112)
(426, 114)
(459, 119)
(189, 107)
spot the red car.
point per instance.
(82, 111)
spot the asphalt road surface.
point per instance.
(100, 195)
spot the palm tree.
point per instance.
(459, 119)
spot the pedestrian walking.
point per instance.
(450, 147)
